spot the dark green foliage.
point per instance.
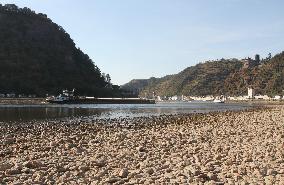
(38, 57)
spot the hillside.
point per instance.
(137, 85)
(227, 77)
(267, 78)
(38, 57)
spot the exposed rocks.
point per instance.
(123, 173)
(5, 166)
(245, 147)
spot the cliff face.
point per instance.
(226, 77)
(38, 57)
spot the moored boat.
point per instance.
(218, 101)
(68, 97)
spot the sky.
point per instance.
(139, 39)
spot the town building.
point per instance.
(250, 63)
(251, 93)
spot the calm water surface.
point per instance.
(42, 112)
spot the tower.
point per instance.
(251, 93)
(257, 59)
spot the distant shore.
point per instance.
(229, 147)
(260, 102)
(42, 101)
(22, 101)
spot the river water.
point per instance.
(14, 113)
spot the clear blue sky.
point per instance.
(143, 38)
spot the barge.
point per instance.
(67, 97)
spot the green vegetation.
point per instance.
(227, 77)
(38, 57)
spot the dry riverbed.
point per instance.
(245, 147)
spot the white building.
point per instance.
(262, 97)
(251, 93)
(277, 97)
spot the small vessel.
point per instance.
(62, 98)
(220, 99)
(67, 97)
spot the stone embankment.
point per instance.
(245, 147)
(22, 101)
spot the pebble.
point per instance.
(123, 173)
(5, 166)
(244, 147)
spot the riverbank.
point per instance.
(258, 102)
(230, 147)
(22, 101)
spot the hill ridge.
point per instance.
(226, 76)
(37, 56)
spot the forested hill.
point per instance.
(38, 57)
(227, 77)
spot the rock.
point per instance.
(212, 176)
(18, 166)
(69, 145)
(218, 157)
(13, 172)
(77, 150)
(123, 173)
(113, 179)
(52, 144)
(32, 164)
(84, 168)
(271, 172)
(26, 170)
(248, 159)
(61, 169)
(9, 141)
(5, 166)
(281, 171)
(150, 171)
(141, 149)
(192, 141)
(100, 163)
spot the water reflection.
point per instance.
(38, 112)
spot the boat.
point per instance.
(218, 101)
(67, 97)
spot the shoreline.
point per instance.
(214, 148)
(42, 101)
(22, 101)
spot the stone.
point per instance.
(69, 145)
(248, 159)
(9, 141)
(123, 173)
(5, 166)
(150, 171)
(212, 176)
(13, 172)
(84, 168)
(271, 172)
(32, 164)
(141, 149)
(100, 163)
(113, 179)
